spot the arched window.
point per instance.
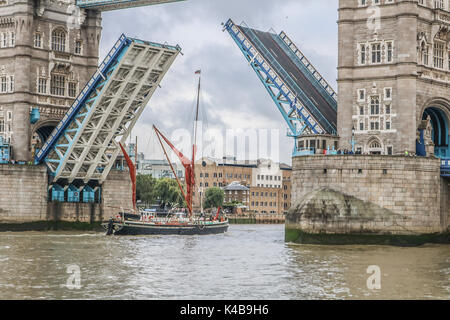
(375, 145)
(59, 40)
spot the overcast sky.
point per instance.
(232, 95)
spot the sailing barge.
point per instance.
(145, 224)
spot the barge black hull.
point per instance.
(145, 229)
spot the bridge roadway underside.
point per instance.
(285, 61)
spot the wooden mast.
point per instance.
(187, 163)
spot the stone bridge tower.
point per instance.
(393, 73)
(48, 49)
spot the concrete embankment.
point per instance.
(368, 200)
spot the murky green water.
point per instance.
(249, 262)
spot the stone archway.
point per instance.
(41, 132)
(374, 146)
(436, 129)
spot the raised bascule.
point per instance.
(85, 144)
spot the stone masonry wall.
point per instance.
(23, 197)
(407, 187)
(117, 193)
(23, 193)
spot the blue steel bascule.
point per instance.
(83, 147)
(306, 101)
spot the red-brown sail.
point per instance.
(132, 170)
(188, 169)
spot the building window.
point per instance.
(388, 109)
(361, 126)
(361, 95)
(375, 145)
(376, 53)
(59, 40)
(42, 85)
(438, 55)
(375, 105)
(388, 125)
(3, 40)
(389, 51)
(374, 125)
(38, 40)
(78, 47)
(361, 111)
(439, 4)
(3, 84)
(387, 93)
(57, 85)
(72, 89)
(12, 39)
(11, 84)
(363, 54)
(389, 150)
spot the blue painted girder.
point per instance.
(108, 5)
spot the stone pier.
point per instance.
(24, 197)
(368, 199)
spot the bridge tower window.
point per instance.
(375, 105)
(438, 55)
(376, 53)
(57, 85)
(59, 40)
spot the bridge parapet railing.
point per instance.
(300, 60)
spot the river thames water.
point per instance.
(248, 262)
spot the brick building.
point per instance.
(269, 183)
(236, 192)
